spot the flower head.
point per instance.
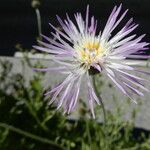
(80, 47)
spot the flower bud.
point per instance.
(35, 3)
(93, 71)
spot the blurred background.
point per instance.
(18, 22)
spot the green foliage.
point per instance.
(28, 123)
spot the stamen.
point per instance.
(89, 50)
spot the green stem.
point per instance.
(31, 110)
(29, 135)
(38, 21)
(98, 95)
(88, 131)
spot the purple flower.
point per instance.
(79, 47)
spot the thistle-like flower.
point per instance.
(80, 48)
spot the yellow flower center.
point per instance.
(89, 51)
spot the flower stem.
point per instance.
(38, 21)
(31, 110)
(29, 135)
(98, 95)
(88, 131)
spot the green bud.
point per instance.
(35, 3)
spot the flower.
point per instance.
(79, 47)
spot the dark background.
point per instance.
(18, 18)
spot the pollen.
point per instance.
(89, 51)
